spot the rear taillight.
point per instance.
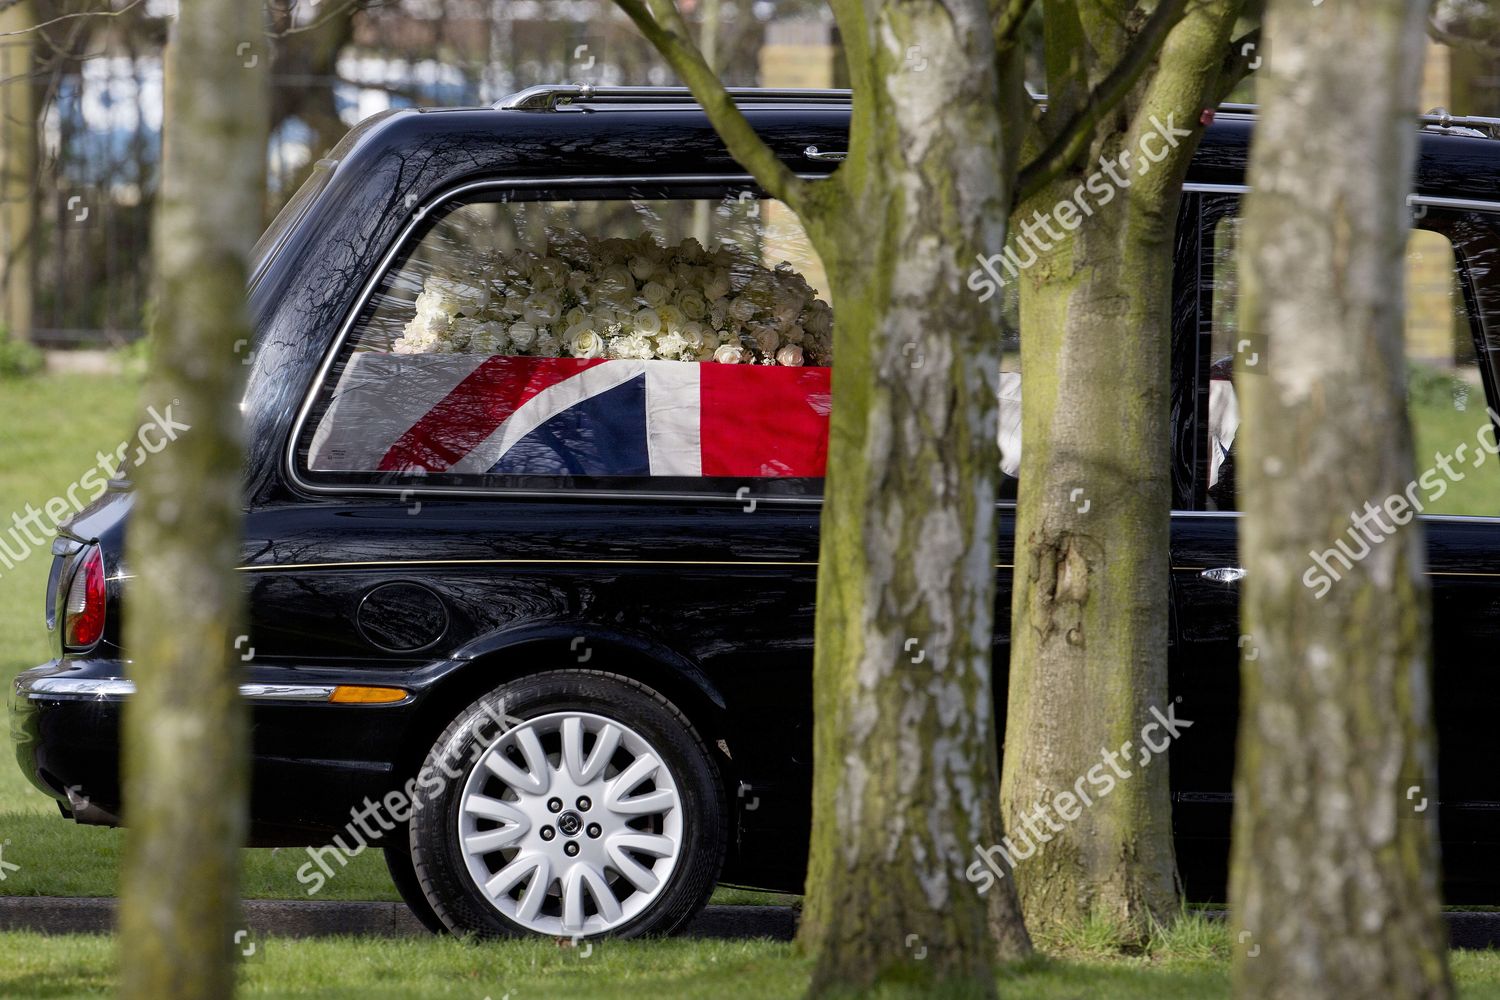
(83, 613)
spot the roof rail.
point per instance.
(1437, 118)
(550, 96)
(1473, 125)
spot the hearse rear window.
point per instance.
(642, 343)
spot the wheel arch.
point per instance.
(494, 659)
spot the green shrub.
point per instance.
(18, 359)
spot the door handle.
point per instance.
(1223, 574)
(812, 153)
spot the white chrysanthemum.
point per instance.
(633, 346)
(673, 346)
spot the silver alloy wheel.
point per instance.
(570, 824)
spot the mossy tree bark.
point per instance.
(906, 778)
(18, 189)
(1089, 612)
(1334, 873)
(185, 732)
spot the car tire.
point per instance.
(595, 810)
(404, 875)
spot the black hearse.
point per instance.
(526, 549)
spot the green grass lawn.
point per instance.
(1188, 963)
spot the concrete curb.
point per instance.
(296, 918)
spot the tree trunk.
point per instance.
(1334, 877)
(1091, 837)
(18, 189)
(906, 781)
(185, 732)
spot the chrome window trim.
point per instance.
(332, 352)
(1453, 518)
(1434, 201)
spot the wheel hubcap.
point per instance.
(570, 823)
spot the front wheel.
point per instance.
(575, 804)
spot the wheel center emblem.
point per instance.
(569, 823)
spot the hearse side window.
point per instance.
(594, 343)
(1450, 277)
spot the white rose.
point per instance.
(692, 303)
(655, 294)
(718, 314)
(642, 267)
(671, 317)
(461, 333)
(463, 296)
(576, 315)
(743, 309)
(618, 274)
(790, 355)
(692, 333)
(542, 309)
(766, 339)
(489, 338)
(606, 320)
(786, 307)
(717, 285)
(546, 345)
(728, 354)
(647, 321)
(522, 335)
(585, 343)
(818, 319)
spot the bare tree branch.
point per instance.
(1237, 65)
(1070, 140)
(1008, 21)
(664, 27)
(1438, 33)
(74, 16)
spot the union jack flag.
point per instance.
(574, 417)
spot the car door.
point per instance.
(1450, 319)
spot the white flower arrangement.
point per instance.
(624, 298)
